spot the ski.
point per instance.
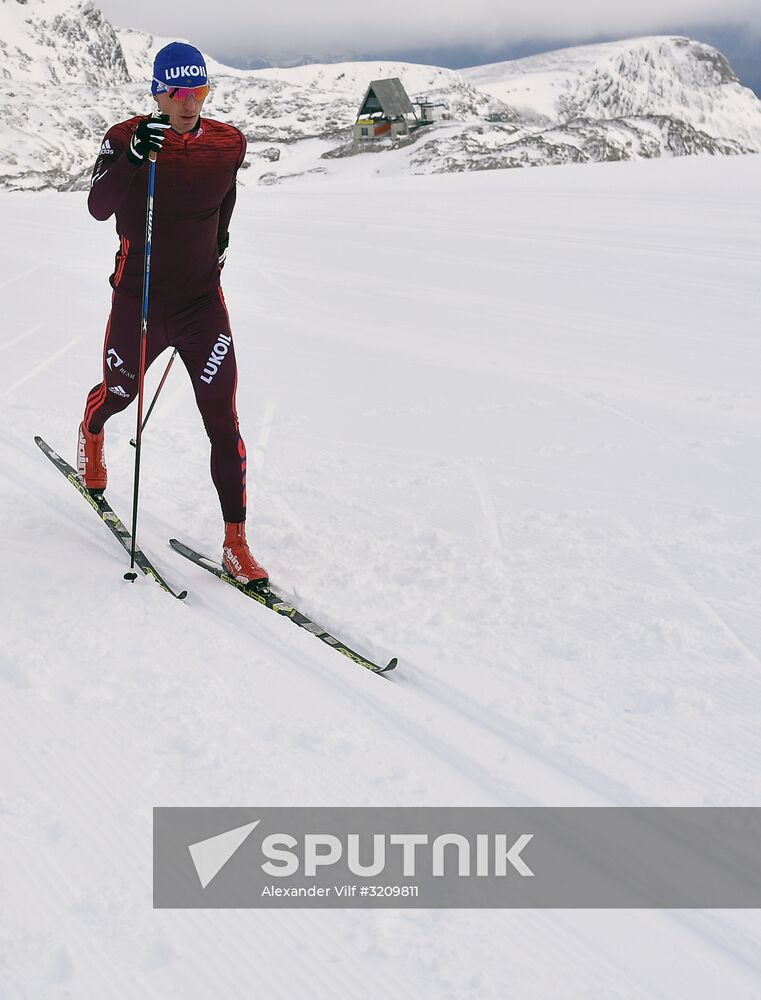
(270, 599)
(109, 517)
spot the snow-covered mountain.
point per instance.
(68, 73)
(59, 42)
(684, 90)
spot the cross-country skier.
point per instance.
(194, 198)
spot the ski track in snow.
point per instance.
(40, 368)
(503, 426)
(18, 277)
(21, 336)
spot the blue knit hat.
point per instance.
(178, 65)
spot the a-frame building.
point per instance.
(384, 111)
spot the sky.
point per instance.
(447, 32)
(295, 26)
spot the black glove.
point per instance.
(222, 251)
(148, 138)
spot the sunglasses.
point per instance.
(183, 93)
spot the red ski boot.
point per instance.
(237, 559)
(91, 464)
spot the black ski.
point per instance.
(109, 517)
(270, 599)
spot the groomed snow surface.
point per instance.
(502, 425)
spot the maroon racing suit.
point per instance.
(194, 200)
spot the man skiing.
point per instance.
(198, 160)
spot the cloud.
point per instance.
(294, 27)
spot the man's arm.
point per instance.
(111, 176)
(124, 151)
(227, 206)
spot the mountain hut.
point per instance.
(384, 110)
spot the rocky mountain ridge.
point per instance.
(67, 74)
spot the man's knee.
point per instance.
(219, 419)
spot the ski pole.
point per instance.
(131, 574)
(156, 396)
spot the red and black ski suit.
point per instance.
(194, 200)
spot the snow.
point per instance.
(502, 425)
